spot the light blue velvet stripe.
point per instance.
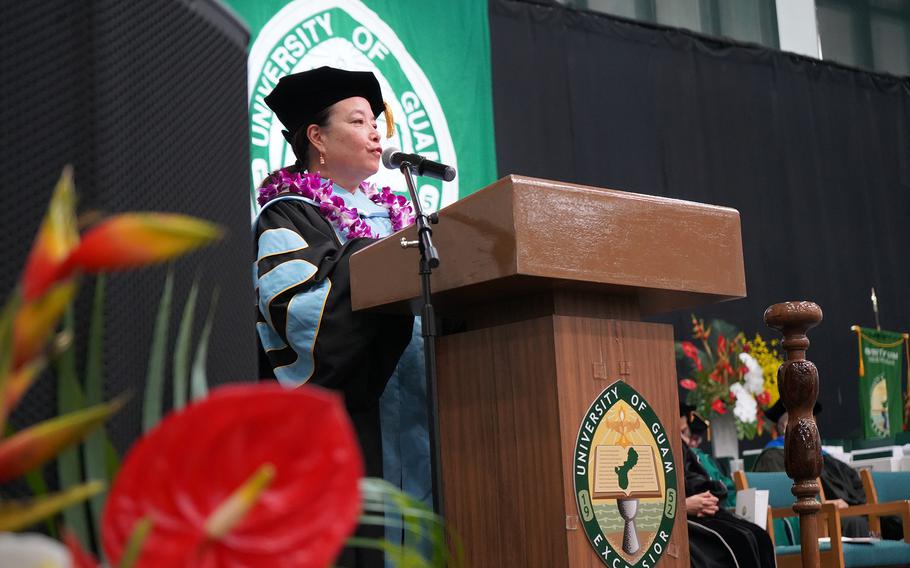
(278, 241)
(271, 341)
(304, 316)
(279, 279)
(405, 433)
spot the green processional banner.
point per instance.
(432, 59)
(881, 355)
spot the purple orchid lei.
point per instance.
(332, 207)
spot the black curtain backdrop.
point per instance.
(147, 101)
(815, 156)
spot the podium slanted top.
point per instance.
(522, 235)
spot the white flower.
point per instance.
(754, 378)
(745, 409)
(33, 551)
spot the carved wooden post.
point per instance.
(797, 379)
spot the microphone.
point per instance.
(392, 158)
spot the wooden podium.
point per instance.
(541, 288)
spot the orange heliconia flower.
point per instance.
(56, 239)
(32, 447)
(130, 240)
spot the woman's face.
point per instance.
(350, 141)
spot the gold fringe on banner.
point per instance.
(859, 344)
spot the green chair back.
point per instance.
(778, 485)
(891, 485)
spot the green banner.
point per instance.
(881, 355)
(432, 59)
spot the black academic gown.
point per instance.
(722, 540)
(353, 353)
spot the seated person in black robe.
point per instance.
(840, 482)
(716, 536)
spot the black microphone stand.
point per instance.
(429, 259)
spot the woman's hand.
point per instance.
(701, 505)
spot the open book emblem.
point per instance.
(625, 478)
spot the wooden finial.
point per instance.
(798, 381)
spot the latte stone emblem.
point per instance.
(625, 479)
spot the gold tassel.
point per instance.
(859, 343)
(693, 415)
(389, 120)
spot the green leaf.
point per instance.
(94, 447)
(18, 515)
(720, 327)
(70, 398)
(182, 349)
(38, 487)
(133, 549)
(199, 382)
(425, 542)
(154, 381)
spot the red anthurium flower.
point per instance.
(721, 344)
(687, 384)
(138, 239)
(764, 398)
(718, 407)
(254, 475)
(56, 238)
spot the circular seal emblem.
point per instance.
(625, 479)
(306, 34)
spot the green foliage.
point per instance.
(198, 380)
(70, 398)
(154, 382)
(424, 532)
(93, 451)
(182, 348)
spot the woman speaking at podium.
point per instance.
(314, 215)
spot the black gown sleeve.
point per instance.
(306, 325)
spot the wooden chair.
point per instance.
(834, 552)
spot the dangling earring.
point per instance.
(321, 159)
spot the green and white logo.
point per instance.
(625, 479)
(306, 34)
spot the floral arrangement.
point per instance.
(319, 190)
(279, 498)
(726, 372)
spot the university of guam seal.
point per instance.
(306, 34)
(625, 479)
